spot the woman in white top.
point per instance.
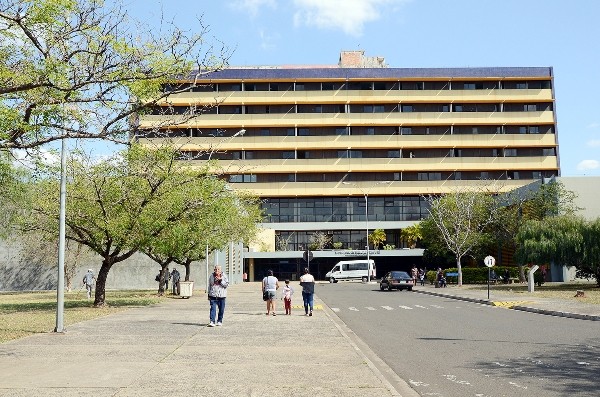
(270, 285)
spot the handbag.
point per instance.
(265, 295)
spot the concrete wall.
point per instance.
(587, 189)
(137, 272)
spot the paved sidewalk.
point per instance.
(167, 350)
(518, 301)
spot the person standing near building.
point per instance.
(270, 285)
(175, 277)
(307, 281)
(287, 293)
(217, 294)
(88, 281)
(414, 273)
(167, 278)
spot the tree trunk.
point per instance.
(459, 269)
(187, 269)
(164, 275)
(100, 294)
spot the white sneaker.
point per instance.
(211, 324)
(219, 324)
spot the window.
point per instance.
(327, 87)
(318, 109)
(288, 154)
(484, 175)
(265, 132)
(530, 107)
(342, 154)
(248, 155)
(521, 86)
(393, 154)
(355, 154)
(249, 87)
(290, 132)
(405, 131)
(273, 87)
(407, 108)
(370, 130)
(299, 86)
(457, 175)
(378, 109)
(303, 132)
(534, 130)
(510, 152)
(341, 131)
(368, 109)
(548, 152)
(536, 174)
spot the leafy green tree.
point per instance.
(590, 266)
(84, 69)
(412, 234)
(377, 237)
(119, 206)
(224, 215)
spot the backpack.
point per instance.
(157, 278)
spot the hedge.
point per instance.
(473, 275)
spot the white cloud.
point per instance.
(348, 15)
(594, 125)
(266, 40)
(588, 165)
(252, 6)
(593, 143)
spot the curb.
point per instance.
(589, 317)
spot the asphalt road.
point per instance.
(449, 348)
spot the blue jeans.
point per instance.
(308, 301)
(214, 303)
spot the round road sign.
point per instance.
(489, 261)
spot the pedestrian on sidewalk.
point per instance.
(88, 281)
(175, 277)
(270, 285)
(217, 294)
(167, 278)
(414, 273)
(307, 281)
(287, 293)
(422, 276)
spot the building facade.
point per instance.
(347, 148)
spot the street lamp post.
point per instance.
(366, 195)
(60, 289)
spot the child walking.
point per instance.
(287, 293)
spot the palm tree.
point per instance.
(377, 238)
(412, 234)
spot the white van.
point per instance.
(351, 270)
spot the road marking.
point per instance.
(335, 309)
(315, 307)
(388, 307)
(370, 308)
(437, 306)
(353, 309)
(421, 307)
(509, 304)
(405, 307)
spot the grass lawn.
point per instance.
(27, 313)
(564, 291)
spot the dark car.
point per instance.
(396, 279)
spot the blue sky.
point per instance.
(421, 33)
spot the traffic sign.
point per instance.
(489, 261)
(307, 256)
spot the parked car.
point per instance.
(398, 280)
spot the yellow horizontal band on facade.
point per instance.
(374, 165)
(353, 96)
(204, 81)
(360, 142)
(396, 188)
(347, 119)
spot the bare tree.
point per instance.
(81, 69)
(462, 219)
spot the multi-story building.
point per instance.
(324, 145)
